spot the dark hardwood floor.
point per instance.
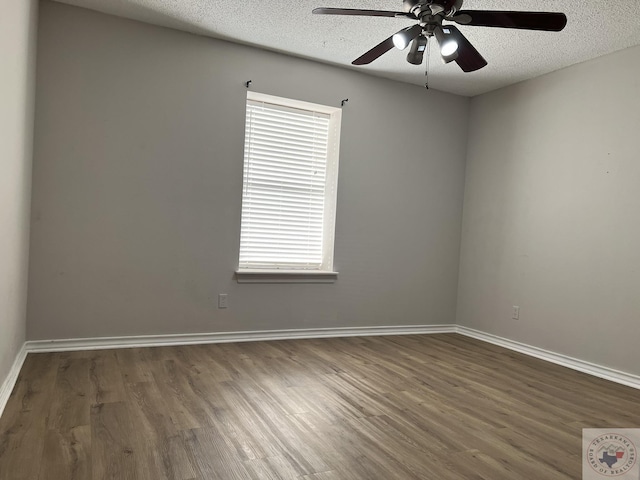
(406, 407)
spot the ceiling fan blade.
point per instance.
(386, 45)
(469, 59)
(355, 11)
(548, 21)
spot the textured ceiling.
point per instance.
(593, 29)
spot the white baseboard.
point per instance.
(101, 343)
(10, 381)
(607, 373)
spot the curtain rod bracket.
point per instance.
(343, 102)
(247, 83)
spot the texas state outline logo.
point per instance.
(610, 453)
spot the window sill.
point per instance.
(285, 276)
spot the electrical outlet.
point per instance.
(222, 300)
(516, 313)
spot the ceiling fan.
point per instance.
(454, 46)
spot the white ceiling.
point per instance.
(594, 28)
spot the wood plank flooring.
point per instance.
(406, 407)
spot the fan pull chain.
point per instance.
(426, 64)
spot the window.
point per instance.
(289, 189)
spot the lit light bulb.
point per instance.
(448, 44)
(400, 41)
(449, 48)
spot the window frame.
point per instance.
(325, 272)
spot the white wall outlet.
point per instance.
(222, 300)
(516, 313)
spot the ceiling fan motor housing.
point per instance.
(446, 6)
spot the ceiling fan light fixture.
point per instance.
(448, 44)
(402, 39)
(416, 53)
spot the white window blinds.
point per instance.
(289, 188)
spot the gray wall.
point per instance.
(17, 57)
(551, 212)
(138, 175)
